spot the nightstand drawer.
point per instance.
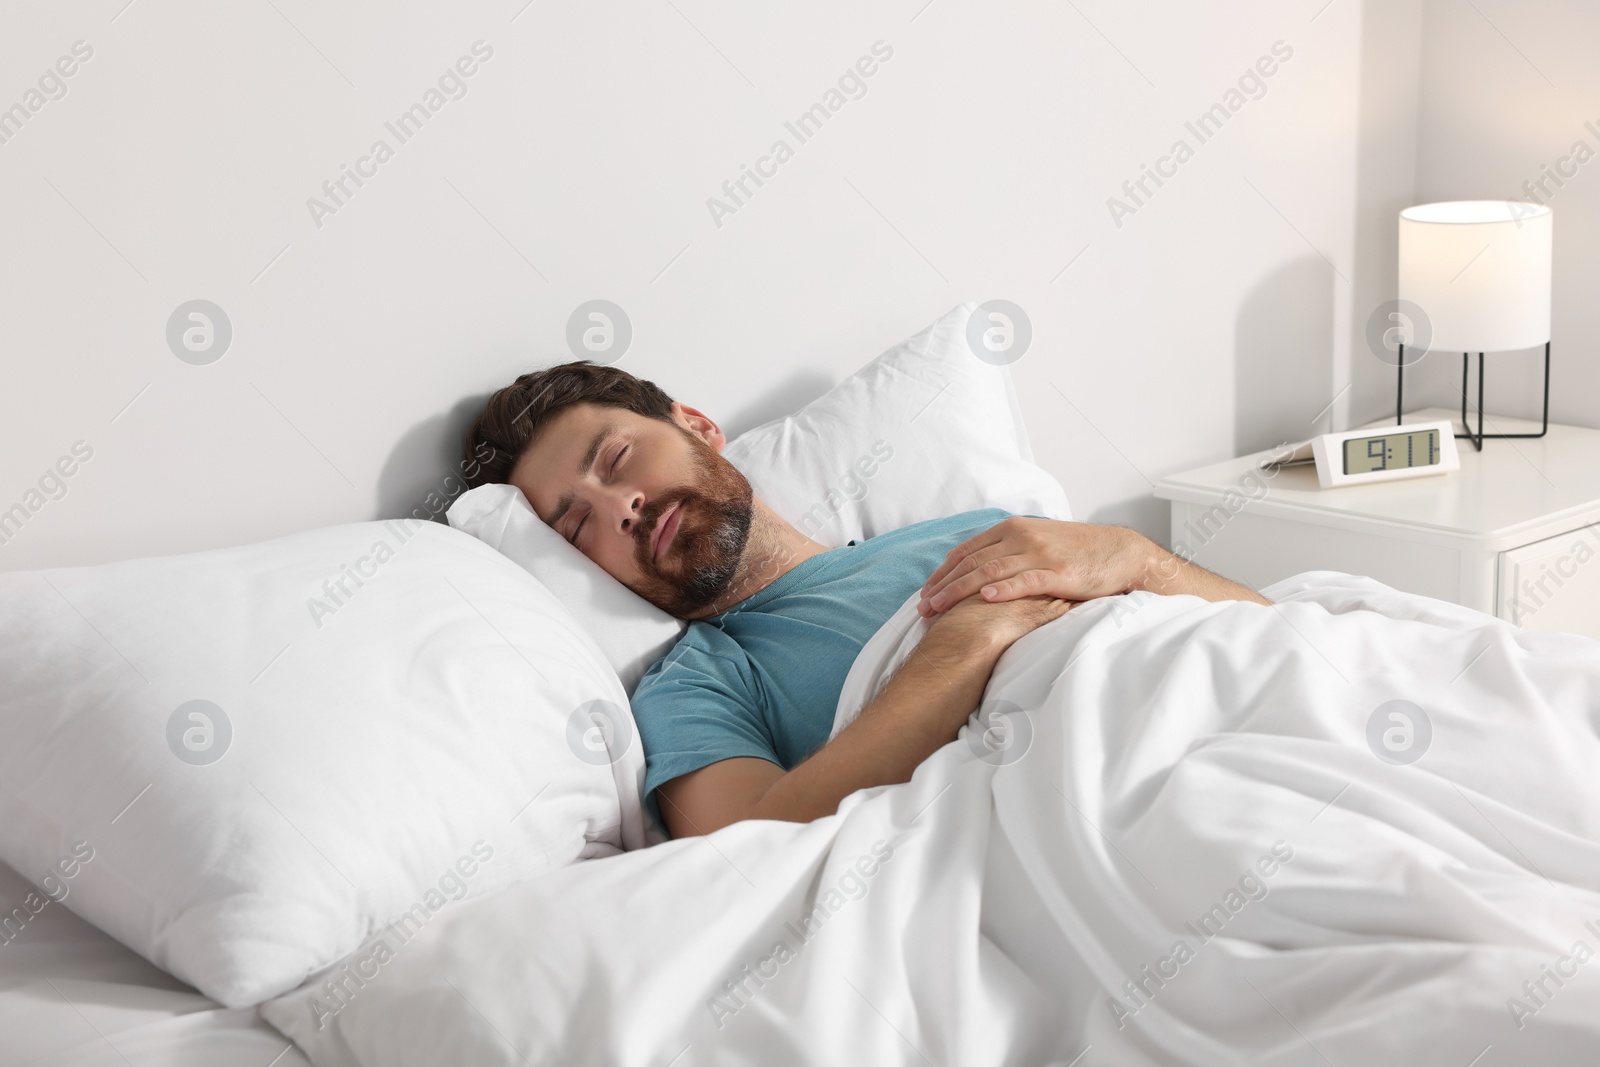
(1554, 584)
(1261, 549)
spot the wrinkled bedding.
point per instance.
(1358, 826)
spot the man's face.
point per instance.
(651, 501)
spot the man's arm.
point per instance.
(1072, 560)
(920, 710)
(1170, 574)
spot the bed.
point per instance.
(375, 789)
(74, 996)
(1165, 838)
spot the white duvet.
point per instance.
(1177, 832)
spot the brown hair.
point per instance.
(514, 415)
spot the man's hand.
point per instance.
(994, 626)
(1073, 561)
(1020, 557)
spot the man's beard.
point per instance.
(715, 508)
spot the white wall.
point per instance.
(1507, 90)
(1386, 168)
(1218, 317)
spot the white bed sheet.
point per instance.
(1188, 774)
(73, 996)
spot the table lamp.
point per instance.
(1479, 270)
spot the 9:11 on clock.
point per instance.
(1417, 448)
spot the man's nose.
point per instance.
(629, 506)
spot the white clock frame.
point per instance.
(1328, 450)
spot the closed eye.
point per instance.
(617, 460)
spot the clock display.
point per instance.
(1396, 451)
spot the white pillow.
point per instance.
(632, 632)
(405, 719)
(924, 431)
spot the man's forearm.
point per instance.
(919, 711)
(1170, 574)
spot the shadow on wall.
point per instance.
(785, 398)
(1283, 357)
(423, 474)
(1143, 512)
(1386, 181)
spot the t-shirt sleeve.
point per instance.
(696, 706)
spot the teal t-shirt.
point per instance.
(763, 678)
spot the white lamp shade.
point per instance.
(1480, 271)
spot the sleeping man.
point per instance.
(735, 718)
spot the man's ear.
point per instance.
(699, 424)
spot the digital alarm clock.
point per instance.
(1356, 457)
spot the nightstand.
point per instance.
(1515, 532)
